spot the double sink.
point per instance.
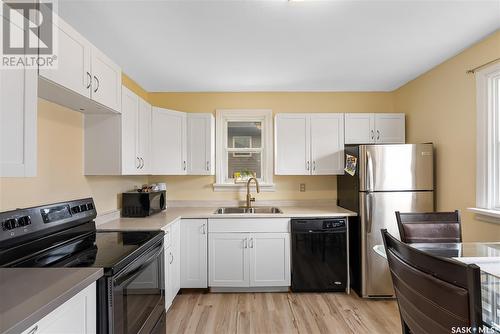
(251, 210)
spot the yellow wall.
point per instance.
(440, 106)
(60, 167)
(287, 187)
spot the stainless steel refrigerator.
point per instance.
(387, 178)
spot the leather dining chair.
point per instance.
(434, 294)
(429, 227)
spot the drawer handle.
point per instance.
(251, 242)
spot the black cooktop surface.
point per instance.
(109, 250)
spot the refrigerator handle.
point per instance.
(369, 171)
(368, 213)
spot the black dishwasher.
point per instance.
(319, 255)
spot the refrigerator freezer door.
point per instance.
(396, 167)
(377, 212)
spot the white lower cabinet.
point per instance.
(75, 316)
(269, 258)
(172, 262)
(228, 263)
(194, 253)
(249, 253)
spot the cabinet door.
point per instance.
(106, 80)
(390, 128)
(327, 144)
(144, 136)
(176, 258)
(168, 142)
(77, 315)
(73, 60)
(194, 253)
(359, 128)
(269, 259)
(228, 260)
(292, 144)
(200, 144)
(18, 122)
(130, 110)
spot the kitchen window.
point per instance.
(244, 149)
(488, 143)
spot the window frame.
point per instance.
(488, 144)
(223, 116)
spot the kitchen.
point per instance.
(103, 124)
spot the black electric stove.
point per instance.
(130, 295)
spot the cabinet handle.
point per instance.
(373, 135)
(142, 163)
(139, 163)
(171, 258)
(245, 244)
(314, 165)
(184, 164)
(378, 135)
(251, 242)
(307, 165)
(208, 165)
(97, 82)
(89, 77)
(203, 229)
(33, 330)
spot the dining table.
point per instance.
(486, 255)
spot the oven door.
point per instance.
(138, 295)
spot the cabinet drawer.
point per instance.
(232, 225)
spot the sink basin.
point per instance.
(253, 210)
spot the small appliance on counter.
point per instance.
(143, 202)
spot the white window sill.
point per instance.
(488, 215)
(264, 187)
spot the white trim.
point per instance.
(222, 117)
(487, 132)
(490, 216)
(242, 187)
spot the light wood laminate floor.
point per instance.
(197, 312)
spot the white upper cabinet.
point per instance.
(73, 64)
(390, 128)
(106, 80)
(359, 128)
(365, 128)
(327, 144)
(200, 144)
(144, 136)
(309, 144)
(119, 144)
(18, 122)
(168, 138)
(129, 132)
(85, 79)
(292, 144)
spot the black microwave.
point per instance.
(143, 204)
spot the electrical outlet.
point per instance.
(302, 187)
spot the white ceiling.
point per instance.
(280, 45)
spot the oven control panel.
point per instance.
(28, 221)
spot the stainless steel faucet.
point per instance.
(251, 199)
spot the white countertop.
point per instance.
(161, 220)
